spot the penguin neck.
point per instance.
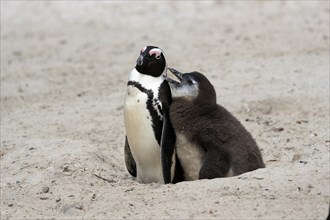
(146, 81)
(191, 109)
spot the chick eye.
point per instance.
(157, 57)
(190, 81)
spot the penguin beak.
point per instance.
(139, 60)
(176, 73)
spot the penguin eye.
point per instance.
(158, 57)
(191, 82)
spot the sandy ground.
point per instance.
(64, 68)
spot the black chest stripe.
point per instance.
(157, 122)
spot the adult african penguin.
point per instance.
(149, 146)
(211, 142)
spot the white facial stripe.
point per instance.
(143, 49)
(155, 51)
(148, 82)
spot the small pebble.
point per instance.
(129, 189)
(301, 121)
(296, 157)
(45, 189)
(80, 207)
(278, 129)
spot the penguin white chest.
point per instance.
(191, 157)
(141, 136)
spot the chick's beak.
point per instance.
(177, 74)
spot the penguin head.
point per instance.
(192, 86)
(151, 61)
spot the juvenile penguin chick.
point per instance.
(149, 145)
(211, 142)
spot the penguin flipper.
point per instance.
(167, 144)
(129, 160)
